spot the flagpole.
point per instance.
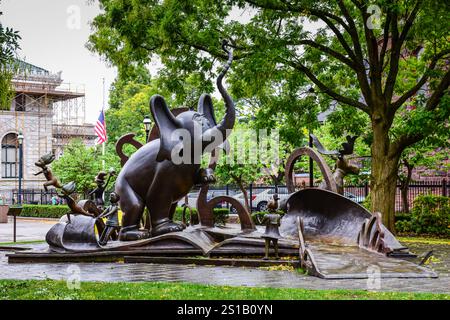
(103, 110)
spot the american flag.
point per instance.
(100, 128)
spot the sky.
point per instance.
(54, 34)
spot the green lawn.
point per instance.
(425, 240)
(55, 290)
(21, 242)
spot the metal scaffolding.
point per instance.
(39, 91)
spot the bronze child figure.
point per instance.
(272, 233)
(42, 163)
(112, 224)
(99, 191)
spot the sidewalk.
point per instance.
(27, 229)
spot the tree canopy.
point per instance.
(81, 164)
(9, 44)
(371, 60)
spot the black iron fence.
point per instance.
(259, 196)
(38, 196)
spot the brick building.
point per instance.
(48, 113)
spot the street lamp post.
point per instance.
(19, 196)
(147, 122)
(311, 163)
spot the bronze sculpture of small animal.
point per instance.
(342, 166)
(42, 163)
(272, 206)
(66, 191)
(153, 178)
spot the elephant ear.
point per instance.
(206, 108)
(166, 123)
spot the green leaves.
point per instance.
(9, 44)
(430, 215)
(80, 164)
(280, 56)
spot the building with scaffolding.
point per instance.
(49, 113)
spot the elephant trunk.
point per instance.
(230, 113)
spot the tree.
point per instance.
(358, 57)
(81, 164)
(243, 164)
(8, 46)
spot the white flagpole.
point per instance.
(103, 111)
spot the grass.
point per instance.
(21, 242)
(425, 240)
(57, 290)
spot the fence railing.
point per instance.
(259, 196)
(38, 196)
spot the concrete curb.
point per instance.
(37, 218)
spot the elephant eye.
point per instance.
(202, 120)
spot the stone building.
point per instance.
(48, 113)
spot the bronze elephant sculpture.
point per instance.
(164, 170)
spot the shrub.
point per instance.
(430, 215)
(220, 215)
(259, 216)
(51, 211)
(402, 217)
(43, 211)
(367, 203)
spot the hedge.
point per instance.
(430, 215)
(220, 215)
(57, 211)
(258, 217)
(44, 211)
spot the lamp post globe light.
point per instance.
(147, 123)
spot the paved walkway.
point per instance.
(114, 272)
(27, 229)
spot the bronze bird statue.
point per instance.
(347, 147)
(272, 206)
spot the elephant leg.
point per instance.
(161, 212)
(132, 206)
(172, 210)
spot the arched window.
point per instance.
(10, 156)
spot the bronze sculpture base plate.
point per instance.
(352, 262)
(330, 247)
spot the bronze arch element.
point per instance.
(307, 151)
(205, 208)
(372, 235)
(126, 139)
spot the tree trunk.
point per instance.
(405, 186)
(244, 191)
(405, 202)
(383, 175)
(277, 179)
